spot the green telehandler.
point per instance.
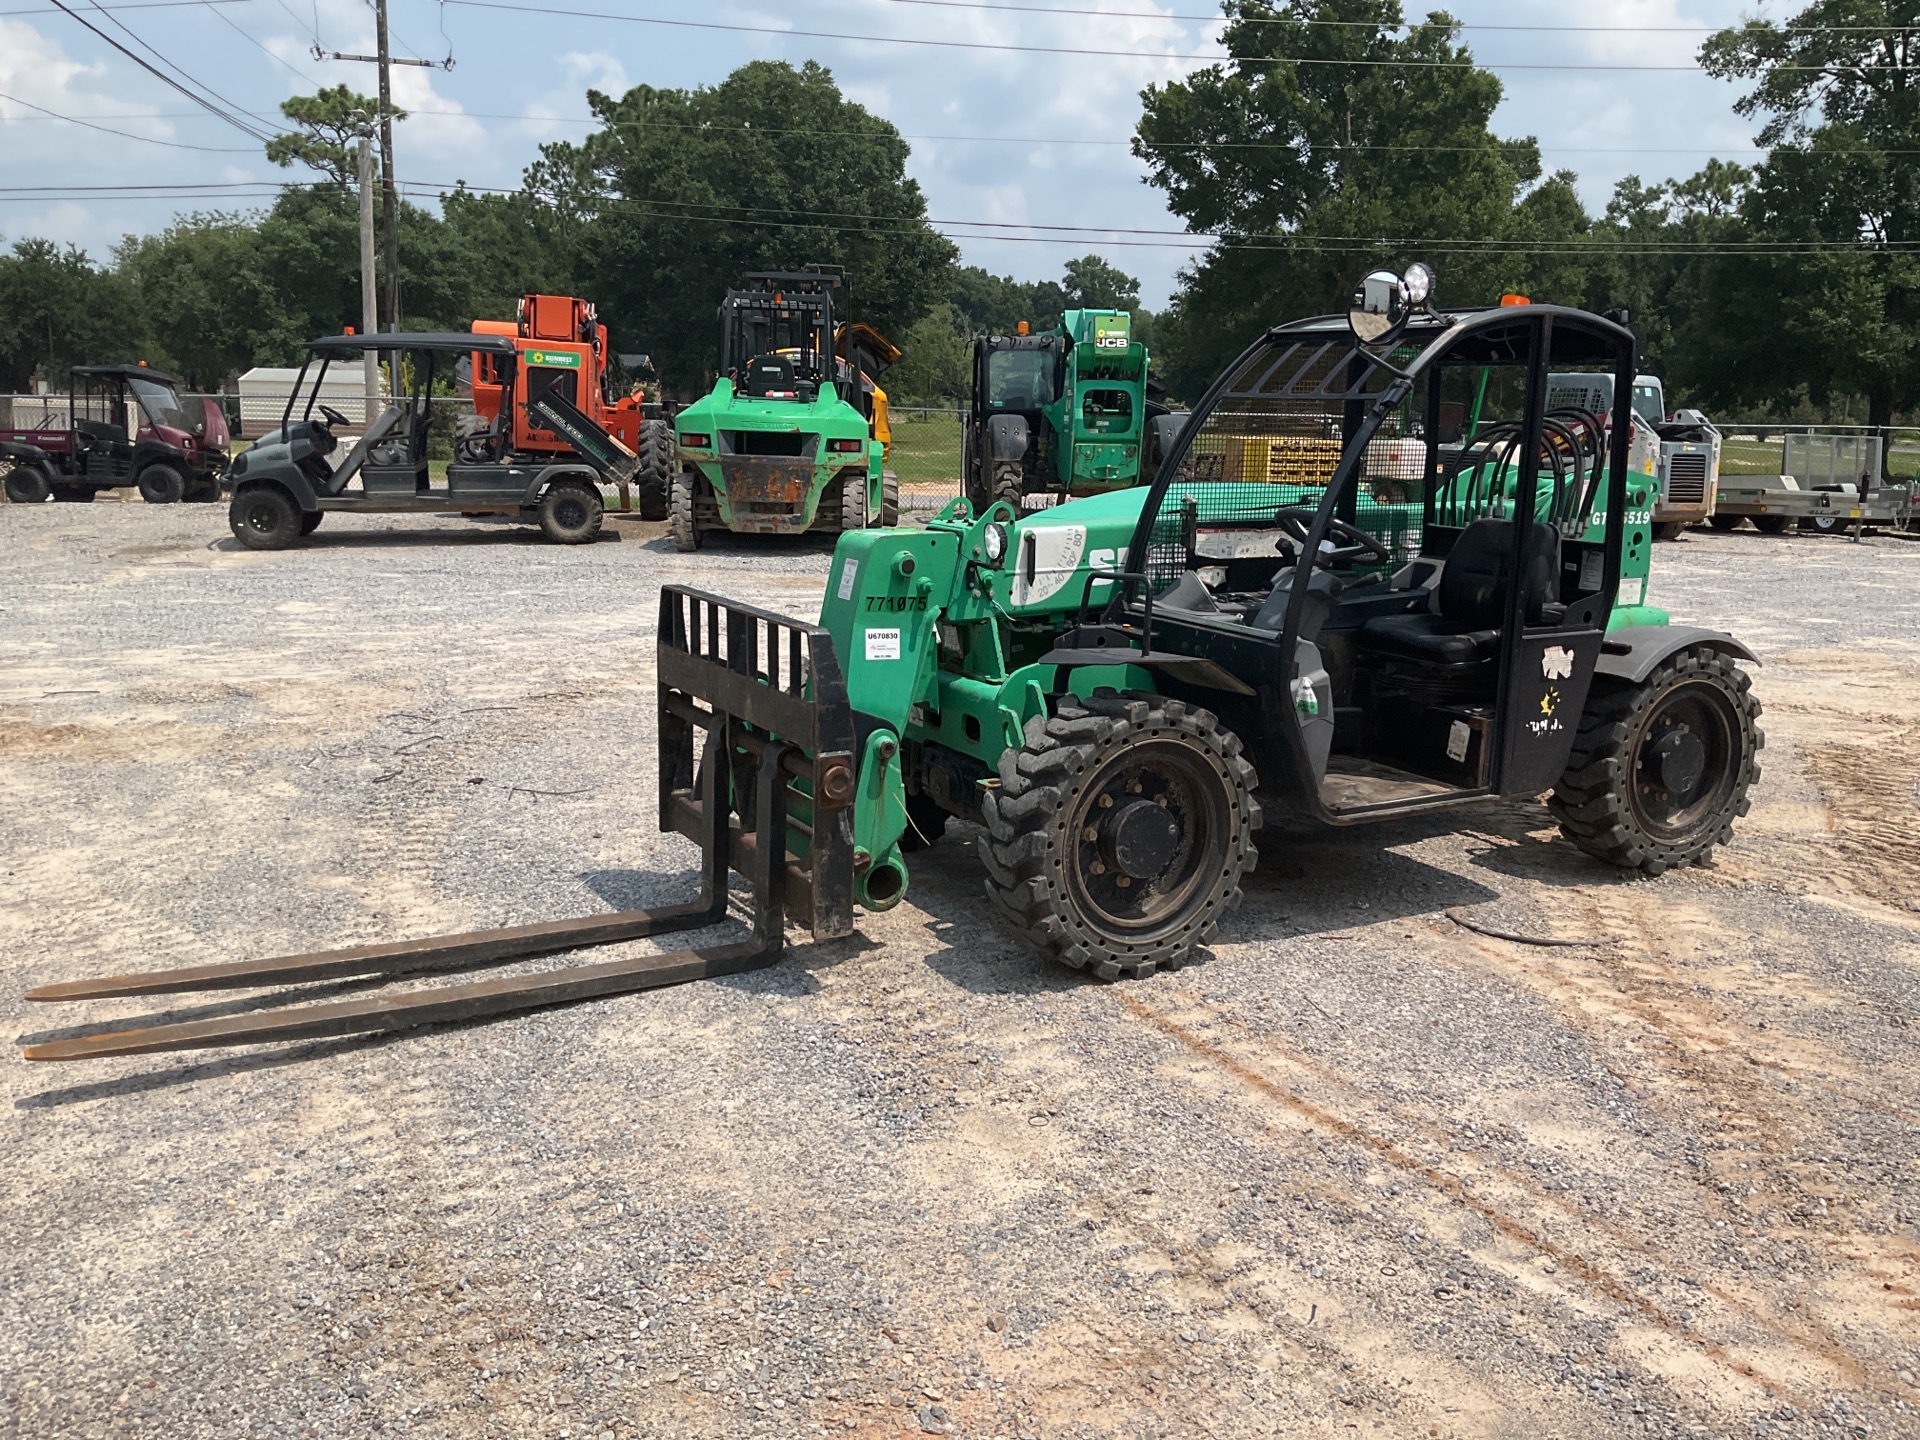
(1061, 413)
(1117, 690)
(791, 437)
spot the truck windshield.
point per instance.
(1649, 403)
(161, 404)
(1020, 379)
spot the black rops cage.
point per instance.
(779, 312)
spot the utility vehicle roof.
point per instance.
(108, 372)
(1496, 333)
(450, 341)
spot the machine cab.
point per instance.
(1402, 544)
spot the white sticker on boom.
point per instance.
(1556, 663)
(847, 573)
(1457, 741)
(1049, 556)
(883, 644)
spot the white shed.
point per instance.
(264, 390)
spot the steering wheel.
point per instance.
(1353, 543)
(334, 417)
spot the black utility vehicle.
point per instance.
(284, 485)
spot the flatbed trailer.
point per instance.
(1775, 503)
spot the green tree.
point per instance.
(681, 191)
(58, 309)
(989, 304)
(936, 361)
(1836, 203)
(1093, 284)
(1377, 150)
(330, 122)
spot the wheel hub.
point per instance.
(1140, 839)
(1681, 760)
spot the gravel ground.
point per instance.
(1366, 1171)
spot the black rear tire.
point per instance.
(204, 490)
(571, 512)
(1661, 770)
(162, 485)
(264, 517)
(75, 494)
(686, 535)
(655, 476)
(889, 499)
(310, 521)
(1119, 831)
(1725, 522)
(26, 486)
(1770, 524)
(1667, 529)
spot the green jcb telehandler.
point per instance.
(1061, 413)
(786, 440)
(1118, 689)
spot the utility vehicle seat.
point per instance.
(357, 457)
(1472, 598)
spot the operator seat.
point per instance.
(768, 375)
(1472, 598)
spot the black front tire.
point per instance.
(310, 521)
(162, 485)
(27, 486)
(1119, 832)
(1661, 770)
(1667, 529)
(1724, 522)
(571, 513)
(265, 517)
(853, 500)
(680, 523)
(889, 499)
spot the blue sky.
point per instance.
(988, 128)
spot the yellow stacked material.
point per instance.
(1280, 459)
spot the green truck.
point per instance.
(785, 441)
(1061, 413)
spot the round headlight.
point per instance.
(994, 543)
(1418, 283)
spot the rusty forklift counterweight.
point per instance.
(756, 741)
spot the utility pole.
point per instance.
(389, 190)
(369, 287)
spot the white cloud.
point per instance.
(596, 70)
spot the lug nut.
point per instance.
(1098, 867)
(1106, 802)
(1090, 834)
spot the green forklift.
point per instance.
(785, 442)
(1061, 413)
(1118, 690)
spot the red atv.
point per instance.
(178, 450)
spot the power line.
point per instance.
(1405, 25)
(262, 48)
(162, 76)
(1467, 64)
(126, 135)
(133, 5)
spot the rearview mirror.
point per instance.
(1378, 307)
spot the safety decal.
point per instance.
(883, 644)
(847, 572)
